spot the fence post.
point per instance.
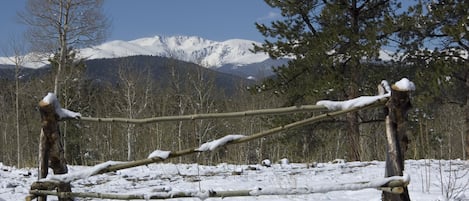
(396, 137)
(51, 148)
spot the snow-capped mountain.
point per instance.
(192, 49)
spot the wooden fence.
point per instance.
(396, 100)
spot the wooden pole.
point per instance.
(51, 153)
(397, 140)
(274, 111)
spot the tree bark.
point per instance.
(51, 153)
(353, 137)
(397, 140)
(466, 147)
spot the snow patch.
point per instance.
(160, 154)
(284, 161)
(212, 145)
(83, 174)
(404, 85)
(266, 163)
(161, 178)
(324, 188)
(352, 103)
(63, 113)
(386, 86)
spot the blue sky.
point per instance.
(131, 19)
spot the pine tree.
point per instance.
(434, 37)
(332, 43)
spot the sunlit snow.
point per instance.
(405, 85)
(429, 180)
(51, 98)
(160, 154)
(193, 49)
(212, 145)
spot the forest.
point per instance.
(335, 57)
(436, 127)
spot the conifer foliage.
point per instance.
(332, 44)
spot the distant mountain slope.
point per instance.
(254, 71)
(161, 69)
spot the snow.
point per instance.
(385, 85)
(51, 98)
(193, 49)
(160, 154)
(404, 85)
(266, 162)
(284, 161)
(352, 103)
(427, 179)
(212, 145)
(30, 60)
(82, 174)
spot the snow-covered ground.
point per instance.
(430, 180)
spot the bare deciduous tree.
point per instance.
(18, 51)
(57, 26)
(135, 97)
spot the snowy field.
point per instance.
(431, 180)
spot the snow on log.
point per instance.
(352, 103)
(386, 86)
(404, 85)
(212, 145)
(160, 154)
(393, 184)
(69, 177)
(51, 98)
(389, 184)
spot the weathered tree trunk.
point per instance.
(51, 153)
(353, 137)
(397, 139)
(466, 147)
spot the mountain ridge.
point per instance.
(192, 49)
(230, 56)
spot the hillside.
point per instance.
(160, 69)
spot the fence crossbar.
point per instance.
(393, 185)
(124, 165)
(258, 135)
(247, 113)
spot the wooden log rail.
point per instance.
(36, 187)
(397, 105)
(393, 185)
(274, 111)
